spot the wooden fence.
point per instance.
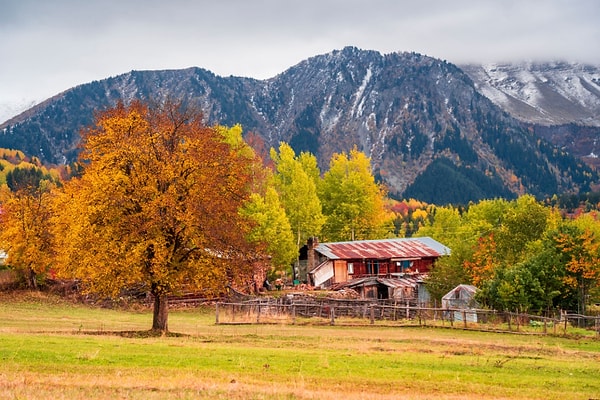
(389, 313)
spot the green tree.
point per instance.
(486, 216)
(352, 201)
(524, 221)
(310, 166)
(518, 289)
(449, 228)
(158, 204)
(504, 233)
(298, 192)
(25, 180)
(537, 284)
(272, 229)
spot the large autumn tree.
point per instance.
(157, 204)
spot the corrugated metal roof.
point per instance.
(411, 282)
(461, 292)
(404, 248)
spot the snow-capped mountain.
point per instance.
(542, 93)
(11, 109)
(429, 132)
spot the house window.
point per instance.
(373, 267)
(350, 268)
(404, 265)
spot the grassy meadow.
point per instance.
(54, 349)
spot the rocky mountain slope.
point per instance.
(542, 93)
(559, 101)
(429, 131)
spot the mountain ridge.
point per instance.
(404, 110)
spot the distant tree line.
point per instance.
(443, 182)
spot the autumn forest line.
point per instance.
(160, 201)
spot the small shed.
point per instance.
(461, 297)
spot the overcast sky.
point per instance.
(47, 46)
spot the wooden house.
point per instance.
(331, 263)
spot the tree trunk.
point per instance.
(31, 279)
(161, 313)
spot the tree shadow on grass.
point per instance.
(136, 334)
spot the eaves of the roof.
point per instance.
(402, 248)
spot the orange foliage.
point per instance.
(261, 149)
(584, 256)
(157, 204)
(483, 265)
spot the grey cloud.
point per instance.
(53, 45)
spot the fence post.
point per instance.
(545, 326)
(509, 318)
(464, 312)
(372, 315)
(217, 314)
(332, 315)
(293, 314)
(258, 313)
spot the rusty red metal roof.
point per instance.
(403, 248)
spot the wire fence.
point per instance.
(387, 313)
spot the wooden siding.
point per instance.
(387, 267)
(340, 268)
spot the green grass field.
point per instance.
(53, 349)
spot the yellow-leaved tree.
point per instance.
(353, 201)
(25, 230)
(157, 204)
